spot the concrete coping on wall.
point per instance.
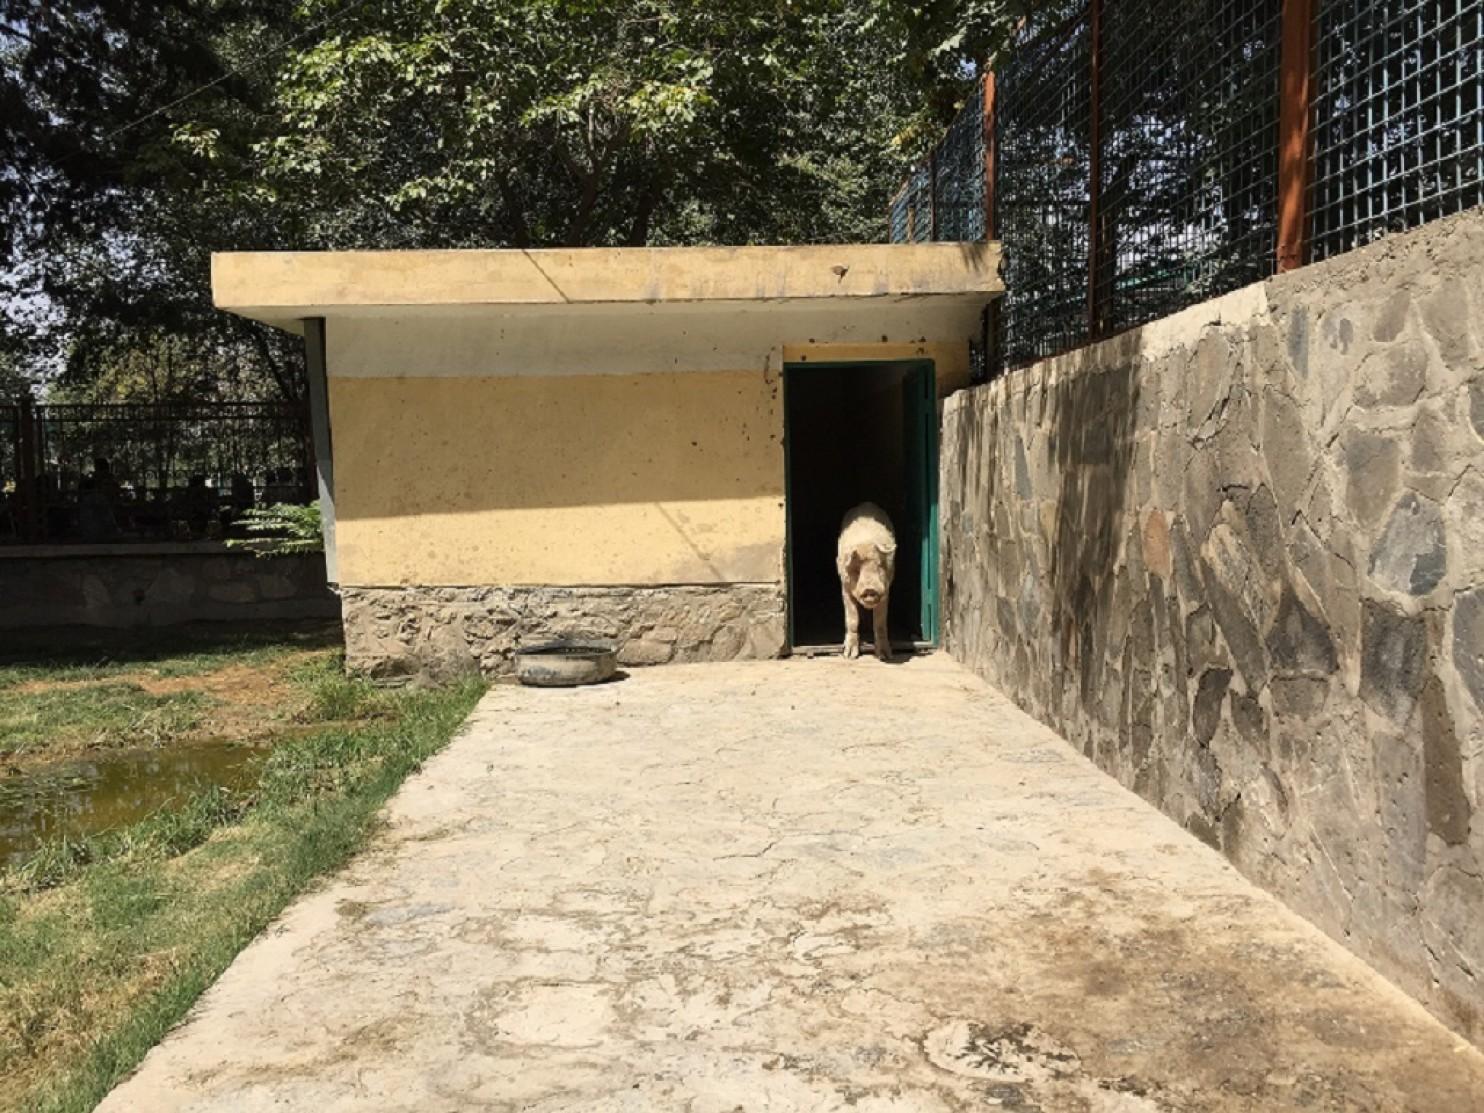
(283, 288)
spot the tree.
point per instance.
(569, 122)
(141, 138)
(109, 214)
(13, 385)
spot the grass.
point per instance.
(105, 942)
(102, 715)
(75, 655)
(86, 697)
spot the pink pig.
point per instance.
(866, 558)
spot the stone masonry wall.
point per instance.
(123, 586)
(1237, 556)
(444, 631)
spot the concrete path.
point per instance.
(791, 886)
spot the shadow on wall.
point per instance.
(1235, 558)
(1091, 440)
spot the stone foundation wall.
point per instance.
(1237, 556)
(444, 631)
(123, 586)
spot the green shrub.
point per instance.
(282, 529)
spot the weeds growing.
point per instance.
(106, 941)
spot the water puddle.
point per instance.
(86, 797)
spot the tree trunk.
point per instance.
(649, 200)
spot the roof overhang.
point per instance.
(284, 288)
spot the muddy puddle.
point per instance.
(88, 796)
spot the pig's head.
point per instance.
(868, 573)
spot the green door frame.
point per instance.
(922, 414)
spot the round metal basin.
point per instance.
(565, 664)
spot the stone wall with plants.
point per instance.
(1237, 556)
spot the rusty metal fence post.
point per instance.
(1295, 132)
(990, 324)
(988, 124)
(1095, 307)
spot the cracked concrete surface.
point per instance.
(817, 885)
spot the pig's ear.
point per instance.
(887, 550)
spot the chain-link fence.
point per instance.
(1133, 151)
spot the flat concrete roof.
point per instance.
(284, 287)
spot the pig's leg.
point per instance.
(852, 627)
(879, 634)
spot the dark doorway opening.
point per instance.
(861, 432)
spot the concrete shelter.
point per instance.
(652, 444)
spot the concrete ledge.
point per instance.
(285, 287)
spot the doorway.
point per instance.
(861, 432)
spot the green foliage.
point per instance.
(167, 834)
(140, 138)
(541, 122)
(282, 529)
(106, 222)
(338, 698)
(13, 384)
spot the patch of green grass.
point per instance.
(175, 651)
(165, 834)
(335, 697)
(14, 675)
(106, 942)
(95, 716)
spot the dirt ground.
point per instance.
(803, 886)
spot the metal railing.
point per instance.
(1134, 157)
(139, 472)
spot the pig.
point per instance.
(866, 558)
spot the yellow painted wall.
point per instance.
(590, 448)
(561, 480)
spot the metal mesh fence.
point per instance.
(912, 210)
(1135, 155)
(10, 444)
(958, 174)
(10, 451)
(1043, 137)
(1189, 169)
(145, 472)
(164, 445)
(1398, 115)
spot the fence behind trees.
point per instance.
(135, 472)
